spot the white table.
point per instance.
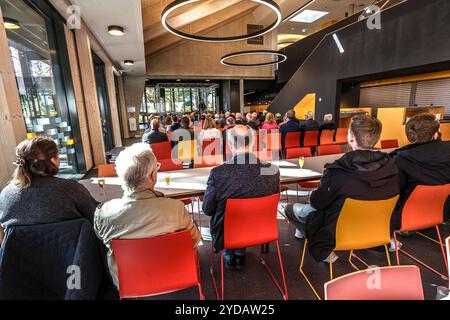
(192, 182)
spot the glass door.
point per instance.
(103, 102)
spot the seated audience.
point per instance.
(237, 178)
(209, 131)
(309, 124)
(175, 124)
(154, 135)
(239, 119)
(426, 161)
(279, 119)
(35, 196)
(270, 122)
(362, 174)
(291, 125)
(142, 212)
(231, 123)
(252, 121)
(328, 123)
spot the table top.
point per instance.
(192, 182)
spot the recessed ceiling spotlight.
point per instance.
(178, 80)
(11, 24)
(207, 80)
(128, 62)
(116, 31)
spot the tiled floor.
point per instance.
(254, 283)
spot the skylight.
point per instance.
(309, 16)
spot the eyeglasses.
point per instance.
(158, 166)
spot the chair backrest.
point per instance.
(447, 244)
(292, 140)
(269, 140)
(389, 144)
(425, 207)
(327, 137)
(170, 165)
(341, 136)
(250, 222)
(364, 224)
(162, 150)
(208, 161)
(186, 150)
(298, 152)
(212, 147)
(107, 171)
(266, 155)
(149, 267)
(311, 138)
(329, 150)
(386, 283)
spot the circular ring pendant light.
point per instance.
(280, 58)
(181, 3)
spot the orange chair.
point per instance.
(424, 209)
(387, 283)
(292, 140)
(341, 136)
(240, 219)
(107, 171)
(295, 153)
(272, 141)
(311, 139)
(162, 150)
(327, 137)
(329, 150)
(148, 267)
(361, 225)
(389, 144)
(169, 135)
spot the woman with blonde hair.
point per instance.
(270, 123)
(35, 195)
(209, 131)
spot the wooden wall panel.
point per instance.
(111, 87)
(12, 124)
(79, 99)
(134, 92)
(90, 95)
(123, 108)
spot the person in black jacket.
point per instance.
(309, 124)
(154, 135)
(363, 174)
(328, 123)
(242, 177)
(426, 161)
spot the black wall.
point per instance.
(415, 33)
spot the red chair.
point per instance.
(327, 137)
(272, 141)
(311, 139)
(208, 161)
(295, 153)
(162, 150)
(329, 150)
(292, 140)
(341, 136)
(243, 228)
(265, 155)
(386, 283)
(212, 147)
(389, 144)
(148, 267)
(107, 171)
(424, 209)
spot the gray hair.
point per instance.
(328, 118)
(134, 165)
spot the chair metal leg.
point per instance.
(387, 255)
(304, 274)
(351, 255)
(284, 292)
(442, 247)
(211, 270)
(331, 268)
(199, 274)
(222, 275)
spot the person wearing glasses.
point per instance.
(142, 212)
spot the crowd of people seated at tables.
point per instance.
(36, 196)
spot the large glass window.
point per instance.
(32, 44)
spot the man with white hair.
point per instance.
(328, 123)
(142, 212)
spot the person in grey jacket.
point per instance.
(35, 196)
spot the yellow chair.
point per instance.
(361, 225)
(187, 150)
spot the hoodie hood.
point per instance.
(373, 167)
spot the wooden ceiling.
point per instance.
(198, 18)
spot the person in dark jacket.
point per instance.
(328, 123)
(35, 196)
(363, 174)
(175, 124)
(244, 176)
(291, 125)
(154, 135)
(426, 161)
(309, 124)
